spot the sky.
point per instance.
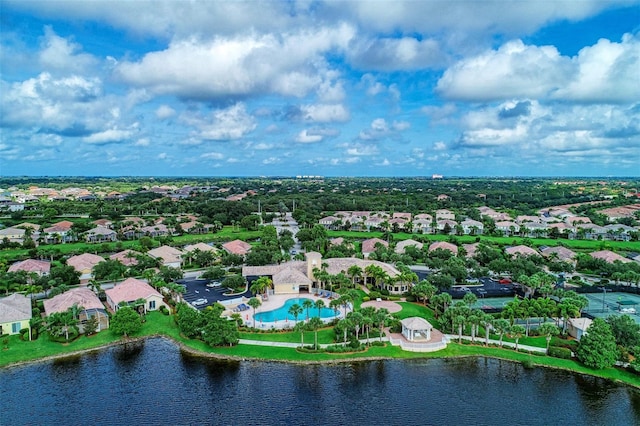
(323, 88)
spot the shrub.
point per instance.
(366, 298)
(559, 352)
(374, 295)
(410, 298)
(384, 292)
(395, 326)
(164, 310)
(377, 343)
(528, 364)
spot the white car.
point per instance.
(199, 302)
(214, 284)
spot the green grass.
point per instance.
(325, 336)
(417, 310)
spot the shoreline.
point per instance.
(221, 357)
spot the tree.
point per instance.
(380, 318)
(625, 330)
(319, 304)
(189, 321)
(109, 269)
(315, 323)
(261, 285)
(125, 321)
(516, 331)
(254, 302)
(597, 348)
(61, 323)
(218, 331)
(307, 304)
(91, 325)
(486, 321)
(501, 326)
(295, 310)
(548, 330)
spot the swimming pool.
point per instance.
(282, 313)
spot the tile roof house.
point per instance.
(59, 231)
(199, 246)
(562, 253)
(40, 267)
(83, 298)
(443, 245)
(609, 256)
(126, 257)
(15, 313)
(84, 264)
(402, 245)
(131, 290)
(520, 250)
(238, 247)
(471, 249)
(169, 256)
(14, 235)
(369, 245)
(100, 234)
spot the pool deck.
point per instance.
(278, 301)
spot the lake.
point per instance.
(153, 382)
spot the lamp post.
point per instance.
(604, 293)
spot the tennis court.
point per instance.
(613, 303)
(492, 302)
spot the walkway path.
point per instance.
(481, 340)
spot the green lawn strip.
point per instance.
(325, 336)
(358, 302)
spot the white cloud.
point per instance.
(362, 150)
(224, 124)
(271, 160)
(142, 142)
(306, 137)
(605, 72)
(165, 111)
(162, 156)
(289, 64)
(212, 156)
(325, 113)
(393, 54)
(380, 129)
(108, 136)
(61, 54)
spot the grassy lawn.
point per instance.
(417, 310)
(325, 336)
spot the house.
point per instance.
(561, 253)
(100, 234)
(237, 247)
(15, 314)
(169, 256)
(444, 214)
(59, 232)
(199, 246)
(14, 235)
(84, 264)
(577, 327)
(444, 246)
(86, 300)
(442, 225)
(473, 227)
(402, 245)
(470, 249)
(609, 256)
(126, 257)
(369, 246)
(520, 250)
(132, 290)
(507, 227)
(39, 267)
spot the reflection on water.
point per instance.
(153, 382)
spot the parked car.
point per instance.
(199, 302)
(505, 281)
(214, 284)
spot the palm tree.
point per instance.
(307, 304)
(486, 321)
(357, 319)
(516, 332)
(501, 326)
(261, 285)
(254, 302)
(354, 272)
(301, 328)
(315, 323)
(548, 330)
(459, 321)
(319, 304)
(295, 310)
(474, 320)
(335, 305)
(380, 317)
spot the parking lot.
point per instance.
(197, 289)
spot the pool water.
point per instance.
(282, 313)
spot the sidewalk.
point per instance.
(481, 340)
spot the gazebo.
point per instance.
(416, 329)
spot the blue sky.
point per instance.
(204, 88)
